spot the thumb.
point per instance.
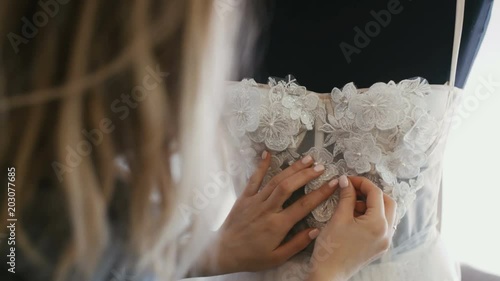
(347, 203)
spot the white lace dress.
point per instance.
(392, 133)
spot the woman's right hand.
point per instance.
(349, 241)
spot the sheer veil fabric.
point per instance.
(393, 133)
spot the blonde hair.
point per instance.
(136, 80)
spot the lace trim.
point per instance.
(383, 133)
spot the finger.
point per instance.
(256, 179)
(373, 194)
(286, 187)
(307, 203)
(296, 244)
(390, 210)
(347, 202)
(296, 167)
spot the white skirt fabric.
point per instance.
(426, 262)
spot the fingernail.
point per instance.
(306, 160)
(333, 183)
(343, 182)
(264, 154)
(313, 233)
(319, 168)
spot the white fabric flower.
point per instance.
(248, 155)
(276, 92)
(403, 163)
(337, 130)
(301, 107)
(341, 100)
(421, 136)
(417, 183)
(404, 196)
(243, 108)
(361, 152)
(382, 106)
(280, 88)
(343, 169)
(418, 86)
(275, 128)
(388, 177)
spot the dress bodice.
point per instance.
(391, 133)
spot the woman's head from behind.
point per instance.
(85, 86)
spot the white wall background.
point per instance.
(471, 208)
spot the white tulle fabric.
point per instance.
(392, 133)
(428, 261)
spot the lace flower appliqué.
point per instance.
(243, 108)
(248, 156)
(275, 129)
(361, 152)
(403, 163)
(419, 87)
(301, 105)
(404, 195)
(381, 107)
(423, 133)
(341, 100)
